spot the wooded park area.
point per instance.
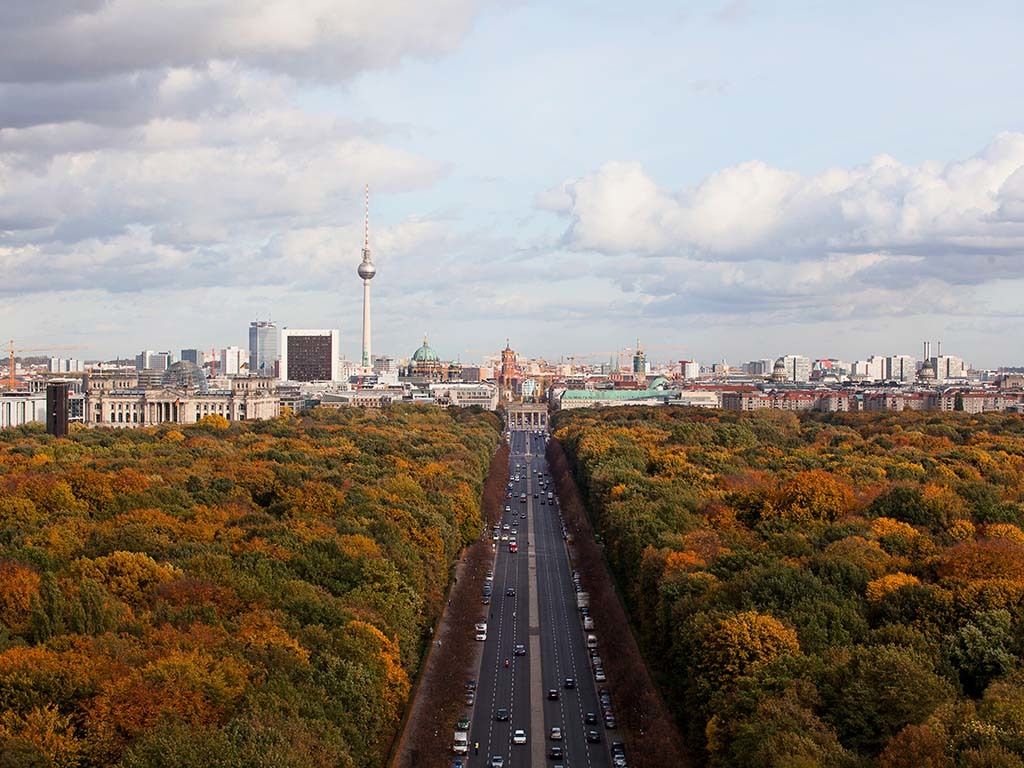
(228, 596)
(820, 590)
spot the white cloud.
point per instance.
(755, 211)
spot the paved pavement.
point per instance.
(542, 615)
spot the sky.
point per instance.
(720, 180)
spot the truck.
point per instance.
(460, 743)
(582, 600)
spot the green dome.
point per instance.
(425, 354)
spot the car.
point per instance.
(553, 694)
(520, 649)
(609, 722)
(556, 734)
(508, 495)
(599, 674)
(462, 724)
(497, 761)
(501, 714)
(508, 508)
(519, 736)
(543, 502)
(457, 762)
(523, 515)
(486, 600)
(470, 698)
(556, 752)
(593, 736)
(590, 718)
(511, 592)
(505, 527)
(536, 496)
(504, 537)
(471, 683)
(569, 682)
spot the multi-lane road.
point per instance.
(533, 604)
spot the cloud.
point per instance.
(329, 40)
(962, 209)
(883, 239)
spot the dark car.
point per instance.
(570, 682)
(511, 592)
(590, 718)
(555, 752)
(501, 714)
(471, 684)
(553, 694)
(593, 737)
(520, 650)
(609, 722)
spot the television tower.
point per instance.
(367, 271)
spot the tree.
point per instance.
(872, 692)
(916, 746)
(737, 645)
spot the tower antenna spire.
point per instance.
(366, 238)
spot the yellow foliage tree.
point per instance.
(1007, 531)
(877, 589)
(50, 733)
(130, 576)
(19, 584)
(739, 644)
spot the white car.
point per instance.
(556, 734)
(519, 737)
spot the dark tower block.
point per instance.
(57, 409)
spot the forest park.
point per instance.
(820, 590)
(228, 595)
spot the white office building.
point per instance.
(901, 368)
(153, 361)
(232, 360)
(872, 369)
(798, 367)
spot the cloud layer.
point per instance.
(883, 237)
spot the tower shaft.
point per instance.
(367, 360)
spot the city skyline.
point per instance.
(561, 175)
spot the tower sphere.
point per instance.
(367, 270)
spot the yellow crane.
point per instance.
(11, 351)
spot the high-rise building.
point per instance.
(264, 348)
(367, 271)
(66, 365)
(689, 369)
(949, 367)
(872, 369)
(639, 361)
(900, 368)
(231, 360)
(798, 367)
(309, 355)
(761, 367)
(150, 360)
(193, 356)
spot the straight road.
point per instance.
(542, 616)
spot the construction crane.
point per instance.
(11, 351)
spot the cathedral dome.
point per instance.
(425, 354)
(779, 370)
